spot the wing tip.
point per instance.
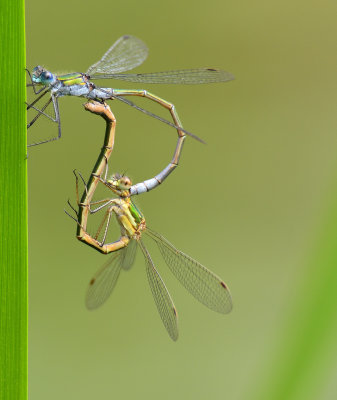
(226, 76)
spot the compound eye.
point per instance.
(112, 182)
(37, 71)
(47, 75)
(126, 181)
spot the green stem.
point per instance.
(13, 204)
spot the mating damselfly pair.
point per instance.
(125, 54)
(203, 284)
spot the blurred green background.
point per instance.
(257, 204)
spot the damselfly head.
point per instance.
(120, 182)
(41, 75)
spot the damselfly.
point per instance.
(203, 284)
(125, 54)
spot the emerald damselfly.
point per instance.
(125, 54)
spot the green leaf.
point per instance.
(13, 203)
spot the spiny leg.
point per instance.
(72, 207)
(56, 119)
(40, 112)
(122, 242)
(105, 221)
(88, 205)
(77, 193)
(36, 100)
(57, 115)
(72, 217)
(79, 215)
(105, 201)
(104, 248)
(93, 241)
(124, 219)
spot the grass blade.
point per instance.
(13, 204)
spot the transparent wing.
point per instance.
(129, 255)
(126, 53)
(105, 279)
(203, 284)
(181, 77)
(149, 113)
(161, 296)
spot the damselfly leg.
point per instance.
(55, 118)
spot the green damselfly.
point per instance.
(125, 54)
(203, 284)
